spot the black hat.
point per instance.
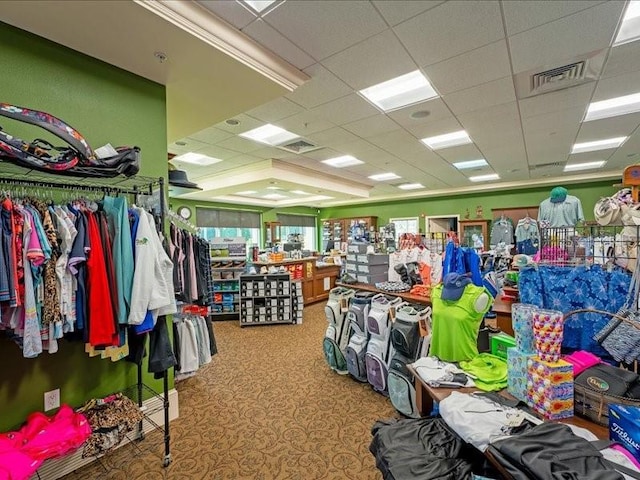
(178, 178)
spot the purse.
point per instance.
(604, 378)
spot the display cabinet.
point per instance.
(272, 233)
(341, 230)
(474, 234)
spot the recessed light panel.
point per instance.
(485, 178)
(574, 167)
(381, 177)
(400, 91)
(274, 188)
(258, 5)
(274, 196)
(630, 28)
(299, 192)
(447, 140)
(269, 134)
(343, 161)
(613, 107)
(247, 192)
(410, 186)
(598, 145)
(481, 162)
(196, 159)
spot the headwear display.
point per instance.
(558, 195)
(521, 260)
(607, 211)
(453, 286)
(178, 178)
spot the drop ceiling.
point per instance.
(474, 54)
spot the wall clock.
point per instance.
(184, 212)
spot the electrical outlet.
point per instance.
(51, 399)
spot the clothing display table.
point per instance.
(371, 288)
(426, 395)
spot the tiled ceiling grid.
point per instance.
(470, 52)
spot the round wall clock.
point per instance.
(184, 212)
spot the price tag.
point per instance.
(344, 305)
(515, 419)
(392, 314)
(424, 327)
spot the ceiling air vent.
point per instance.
(299, 146)
(541, 166)
(551, 78)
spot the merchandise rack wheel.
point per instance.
(166, 461)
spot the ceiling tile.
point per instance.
(269, 37)
(396, 141)
(436, 108)
(461, 153)
(485, 95)
(354, 66)
(324, 27)
(372, 126)
(357, 148)
(231, 11)
(275, 110)
(567, 120)
(479, 66)
(505, 155)
(323, 87)
(450, 29)
(322, 154)
(620, 126)
(346, 109)
(437, 127)
(191, 146)
(218, 152)
(617, 86)
(623, 59)
(521, 16)
(304, 123)
(333, 136)
(240, 144)
(211, 135)
(556, 101)
(559, 41)
(397, 11)
(272, 152)
(245, 124)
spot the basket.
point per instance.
(594, 405)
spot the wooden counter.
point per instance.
(316, 280)
(502, 310)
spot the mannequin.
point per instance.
(560, 209)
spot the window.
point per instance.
(405, 225)
(303, 225)
(229, 223)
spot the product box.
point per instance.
(500, 343)
(517, 372)
(624, 427)
(550, 388)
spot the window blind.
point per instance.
(211, 217)
(288, 220)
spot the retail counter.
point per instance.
(317, 280)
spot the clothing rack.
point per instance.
(182, 223)
(128, 186)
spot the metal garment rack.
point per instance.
(135, 186)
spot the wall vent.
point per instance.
(541, 166)
(299, 146)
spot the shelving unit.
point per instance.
(228, 262)
(479, 228)
(340, 229)
(267, 299)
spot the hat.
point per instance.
(521, 261)
(607, 211)
(178, 178)
(453, 286)
(558, 194)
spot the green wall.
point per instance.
(458, 204)
(105, 104)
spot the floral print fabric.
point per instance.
(566, 289)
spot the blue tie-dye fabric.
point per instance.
(566, 289)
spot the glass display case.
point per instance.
(474, 234)
(272, 233)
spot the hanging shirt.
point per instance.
(29, 325)
(8, 259)
(564, 214)
(65, 279)
(456, 323)
(527, 236)
(501, 231)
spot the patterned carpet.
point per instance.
(267, 407)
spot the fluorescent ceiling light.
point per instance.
(630, 28)
(481, 162)
(400, 91)
(598, 145)
(258, 5)
(196, 159)
(274, 196)
(274, 188)
(247, 192)
(485, 178)
(381, 177)
(447, 140)
(410, 186)
(574, 167)
(343, 161)
(269, 134)
(613, 107)
(299, 192)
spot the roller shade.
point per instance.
(211, 217)
(296, 220)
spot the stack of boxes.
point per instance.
(366, 268)
(297, 301)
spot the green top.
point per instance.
(489, 372)
(456, 324)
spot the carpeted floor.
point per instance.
(267, 407)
